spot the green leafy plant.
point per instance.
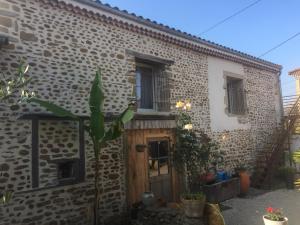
(193, 153)
(287, 174)
(9, 87)
(296, 158)
(274, 214)
(240, 167)
(5, 197)
(99, 134)
(12, 85)
(285, 171)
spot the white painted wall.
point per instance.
(221, 121)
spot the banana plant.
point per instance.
(99, 134)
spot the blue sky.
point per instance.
(255, 31)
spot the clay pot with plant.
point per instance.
(242, 173)
(193, 204)
(191, 159)
(275, 217)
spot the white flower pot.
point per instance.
(271, 222)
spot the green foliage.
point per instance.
(193, 154)
(284, 172)
(296, 156)
(274, 214)
(96, 129)
(9, 87)
(13, 85)
(55, 109)
(5, 197)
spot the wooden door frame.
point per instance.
(148, 134)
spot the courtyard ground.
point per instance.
(249, 210)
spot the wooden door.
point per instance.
(138, 171)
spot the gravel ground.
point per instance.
(249, 210)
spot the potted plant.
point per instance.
(242, 173)
(191, 156)
(275, 217)
(288, 175)
(193, 204)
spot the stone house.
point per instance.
(47, 161)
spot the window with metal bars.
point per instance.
(152, 88)
(236, 96)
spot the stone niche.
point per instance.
(8, 21)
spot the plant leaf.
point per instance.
(55, 109)
(127, 115)
(117, 127)
(96, 106)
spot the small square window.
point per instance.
(68, 171)
(236, 96)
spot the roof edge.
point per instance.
(172, 31)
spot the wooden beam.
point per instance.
(149, 58)
(81, 151)
(35, 153)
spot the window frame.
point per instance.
(148, 66)
(161, 99)
(231, 76)
(80, 161)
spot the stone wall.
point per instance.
(9, 13)
(64, 49)
(58, 140)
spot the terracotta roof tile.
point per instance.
(295, 72)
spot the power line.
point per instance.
(279, 45)
(229, 17)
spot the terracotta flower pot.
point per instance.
(271, 222)
(245, 182)
(193, 208)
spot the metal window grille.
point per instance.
(236, 96)
(152, 88)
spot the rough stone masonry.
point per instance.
(64, 45)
